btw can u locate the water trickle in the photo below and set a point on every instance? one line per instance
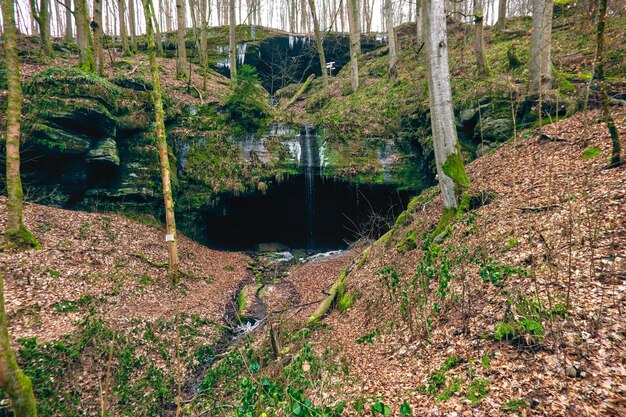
(309, 163)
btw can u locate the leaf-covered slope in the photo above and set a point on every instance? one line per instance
(100, 283)
(519, 308)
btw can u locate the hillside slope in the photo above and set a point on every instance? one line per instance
(97, 297)
(479, 323)
(517, 308)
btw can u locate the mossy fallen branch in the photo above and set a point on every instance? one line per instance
(338, 290)
(302, 89)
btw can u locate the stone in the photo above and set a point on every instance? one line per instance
(493, 130)
(105, 152)
(271, 247)
(482, 149)
(468, 117)
(56, 142)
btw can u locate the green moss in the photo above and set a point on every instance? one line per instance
(345, 301)
(241, 303)
(477, 390)
(20, 239)
(363, 257)
(455, 169)
(444, 221)
(408, 243)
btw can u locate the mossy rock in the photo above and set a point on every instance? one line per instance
(408, 243)
(70, 82)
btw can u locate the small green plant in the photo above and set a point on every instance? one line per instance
(66, 306)
(380, 409)
(591, 152)
(477, 390)
(229, 268)
(405, 410)
(369, 338)
(513, 406)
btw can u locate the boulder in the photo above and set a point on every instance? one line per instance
(493, 130)
(105, 152)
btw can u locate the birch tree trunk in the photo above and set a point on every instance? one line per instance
(96, 26)
(501, 15)
(69, 35)
(540, 43)
(41, 15)
(479, 46)
(232, 43)
(319, 42)
(355, 42)
(168, 199)
(83, 37)
(616, 153)
(16, 234)
(450, 169)
(204, 27)
(391, 35)
(123, 33)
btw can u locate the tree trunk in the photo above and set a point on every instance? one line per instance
(132, 25)
(355, 42)
(16, 234)
(319, 42)
(481, 59)
(12, 379)
(204, 27)
(232, 43)
(96, 26)
(616, 153)
(170, 221)
(448, 160)
(501, 15)
(123, 33)
(83, 36)
(42, 18)
(419, 22)
(540, 42)
(391, 35)
(69, 35)
(181, 60)
(157, 36)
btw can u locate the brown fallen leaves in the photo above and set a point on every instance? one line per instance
(573, 239)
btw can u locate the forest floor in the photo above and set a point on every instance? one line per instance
(108, 268)
(546, 248)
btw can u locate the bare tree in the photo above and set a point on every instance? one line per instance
(86, 60)
(123, 33)
(161, 141)
(181, 60)
(319, 42)
(501, 15)
(132, 25)
(616, 154)
(448, 160)
(391, 35)
(479, 46)
(540, 43)
(232, 42)
(69, 35)
(96, 26)
(16, 234)
(355, 42)
(41, 15)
